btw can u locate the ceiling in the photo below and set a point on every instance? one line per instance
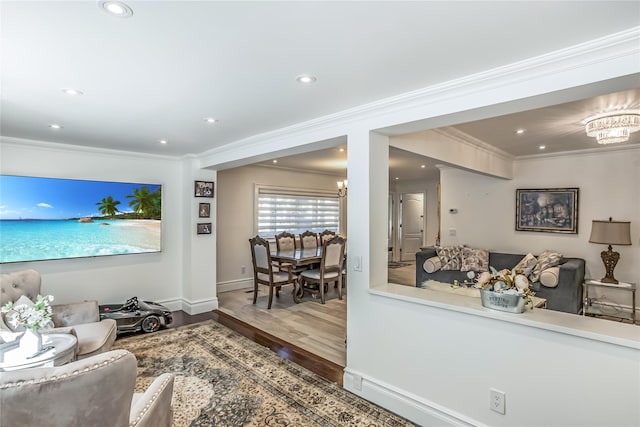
(158, 74)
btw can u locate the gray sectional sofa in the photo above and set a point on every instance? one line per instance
(566, 296)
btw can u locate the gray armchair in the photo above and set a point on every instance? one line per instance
(97, 391)
(81, 319)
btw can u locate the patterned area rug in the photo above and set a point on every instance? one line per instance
(224, 379)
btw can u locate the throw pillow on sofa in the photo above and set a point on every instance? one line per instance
(474, 259)
(432, 264)
(546, 259)
(526, 264)
(450, 257)
(550, 277)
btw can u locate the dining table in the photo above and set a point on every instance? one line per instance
(298, 257)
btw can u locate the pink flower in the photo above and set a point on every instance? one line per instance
(484, 278)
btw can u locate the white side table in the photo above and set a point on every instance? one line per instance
(592, 306)
(63, 351)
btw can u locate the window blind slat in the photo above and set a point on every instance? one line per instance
(295, 210)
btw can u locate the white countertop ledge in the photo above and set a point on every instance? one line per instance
(622, 334)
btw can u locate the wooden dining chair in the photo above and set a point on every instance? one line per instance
(325, 236)
(308, 240)
(263, 270)
(330, 271)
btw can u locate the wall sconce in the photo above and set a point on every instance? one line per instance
(610, 233)
(342, 188)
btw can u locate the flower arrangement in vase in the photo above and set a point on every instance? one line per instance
(505, 282)
(31, 318)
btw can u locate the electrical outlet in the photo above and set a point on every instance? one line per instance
(496, 400)
(243, 269)
(452, 232)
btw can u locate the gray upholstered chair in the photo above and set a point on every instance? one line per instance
(96, 391)
(81, 318)
(330, 270)
(263, 270)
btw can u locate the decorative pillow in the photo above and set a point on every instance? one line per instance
(549, 277)
(475, 259)
(450, 257)
(526, 264)
(546, 259)
(432, 265)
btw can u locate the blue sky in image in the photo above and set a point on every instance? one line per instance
(51, 198)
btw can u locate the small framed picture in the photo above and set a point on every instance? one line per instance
(204, 211)
(204, 228)
(204, 189)
(551, 210)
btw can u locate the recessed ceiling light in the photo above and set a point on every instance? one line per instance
(55, 126)
(72, 92)
(520, 131)
(275, 161)
(306, 79)
(341, 150)
(115, 8)
(163, 141)
(397, 178)
(542, 147)
(210, 120)
(423, 166)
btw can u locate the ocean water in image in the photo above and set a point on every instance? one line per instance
(30, 240)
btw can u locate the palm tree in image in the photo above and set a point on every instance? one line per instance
(107, 206)
(142, 202)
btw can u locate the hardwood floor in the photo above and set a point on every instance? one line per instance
(310, 334)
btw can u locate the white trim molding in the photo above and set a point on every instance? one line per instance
(197, 307)
(234, 285)
(410, 406)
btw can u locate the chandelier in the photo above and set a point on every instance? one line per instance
(342, 188)
(613, 127)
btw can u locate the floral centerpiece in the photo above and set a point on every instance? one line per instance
(507, 282)
(33, 317)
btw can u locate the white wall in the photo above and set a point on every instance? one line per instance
(236, 189)
(608, 183)
(160, 276)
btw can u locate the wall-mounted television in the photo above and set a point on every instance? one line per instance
(54, 218)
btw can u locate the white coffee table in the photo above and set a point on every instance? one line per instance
(470, 291)
(63, 351)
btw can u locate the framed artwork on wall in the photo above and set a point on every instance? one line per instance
(552, 210)
(204, 228)
(204, 210)
(204, 189)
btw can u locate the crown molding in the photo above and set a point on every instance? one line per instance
(577, 153)
(466, 139)
(56, 146)
(383, 113)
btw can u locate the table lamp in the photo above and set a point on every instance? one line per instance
(610, 233)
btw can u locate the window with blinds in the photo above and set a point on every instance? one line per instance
(295, 210)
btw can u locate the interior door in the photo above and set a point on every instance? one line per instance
(411, 225)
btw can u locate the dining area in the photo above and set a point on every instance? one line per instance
(312, 263)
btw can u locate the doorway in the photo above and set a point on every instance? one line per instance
(411, 227)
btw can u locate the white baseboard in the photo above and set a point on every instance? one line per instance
(192, 307)
(174, 304)
(233, 285)
(407, 405)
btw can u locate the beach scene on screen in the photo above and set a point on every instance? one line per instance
(53, 218)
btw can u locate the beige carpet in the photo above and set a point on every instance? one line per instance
(224, 379)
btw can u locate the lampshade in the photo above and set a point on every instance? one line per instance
(610, 232)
